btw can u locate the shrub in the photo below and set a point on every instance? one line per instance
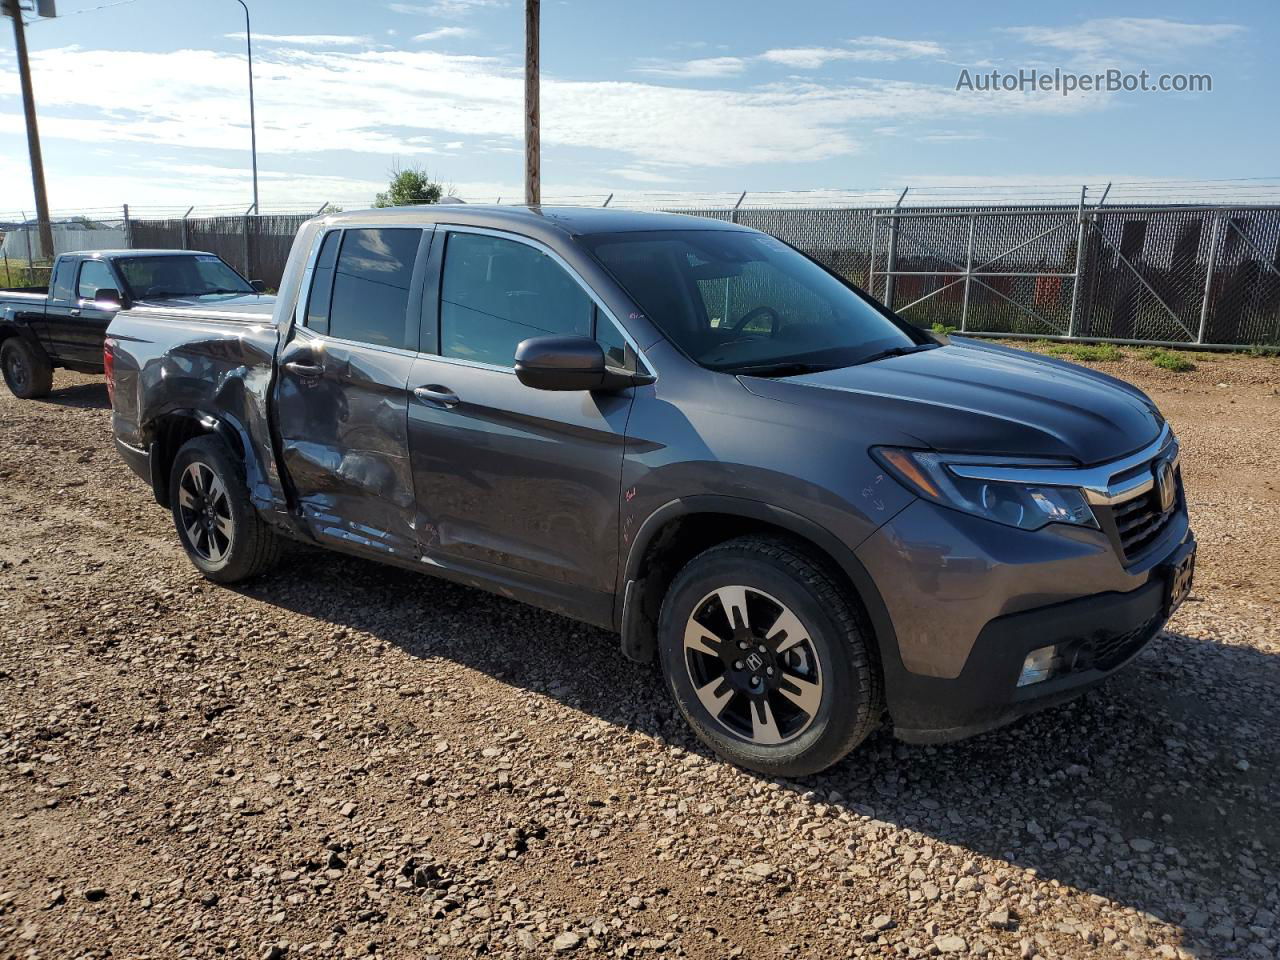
(1168, 360)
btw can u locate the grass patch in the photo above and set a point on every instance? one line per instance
(17, 275)
(1082, 352)
(943, 329)
(1168, 359)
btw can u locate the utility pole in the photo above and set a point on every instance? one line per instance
(532, 109)
(33, 133)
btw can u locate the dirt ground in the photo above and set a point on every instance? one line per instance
(344, 759)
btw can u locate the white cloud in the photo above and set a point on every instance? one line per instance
(425, 102)
(443, 33)
(446, 8)
(902, 48)
(642, 175)
(304, 40)
(1124, 39)
(867, 49)
(696, 69)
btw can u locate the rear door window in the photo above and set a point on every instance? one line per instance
(322, 283)
(371, 285)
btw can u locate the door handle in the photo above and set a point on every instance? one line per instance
(308, 371)
(74, 311)
(434, 393)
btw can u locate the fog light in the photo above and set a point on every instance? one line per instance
(1038, 666)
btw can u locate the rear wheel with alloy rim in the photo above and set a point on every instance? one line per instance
(219, 528)
(768, 658)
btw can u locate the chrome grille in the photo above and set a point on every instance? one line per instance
(1140, 521)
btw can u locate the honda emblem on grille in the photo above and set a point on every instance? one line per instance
(1166, 485)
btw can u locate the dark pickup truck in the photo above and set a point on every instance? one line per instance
(810, 512)
(65, 323)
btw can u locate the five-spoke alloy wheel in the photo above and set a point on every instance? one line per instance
(767, 654)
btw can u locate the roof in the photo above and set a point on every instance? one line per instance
(574, 221)
(110, 254)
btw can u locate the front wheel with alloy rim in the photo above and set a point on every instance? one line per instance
(27, 373)
(219, 528)
(768, 657)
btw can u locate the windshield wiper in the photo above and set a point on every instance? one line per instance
(780, 369)
(897, 352)
(209, 293)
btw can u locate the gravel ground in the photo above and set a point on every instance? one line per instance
(349, 760)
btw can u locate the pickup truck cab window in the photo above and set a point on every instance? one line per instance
(495, 292)
(63, 280)
(371, 285)
(95, 275)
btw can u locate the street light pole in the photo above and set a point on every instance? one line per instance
(253, 124)
(33, 133)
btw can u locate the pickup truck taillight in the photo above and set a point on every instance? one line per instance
(109, 367)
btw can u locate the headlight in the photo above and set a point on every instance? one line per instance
(1027, 506)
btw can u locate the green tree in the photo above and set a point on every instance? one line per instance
(408, 187)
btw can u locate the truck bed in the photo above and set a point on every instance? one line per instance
(205, 358)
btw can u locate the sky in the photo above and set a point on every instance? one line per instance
(145, 101)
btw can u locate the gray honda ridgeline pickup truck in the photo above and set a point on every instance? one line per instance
(810, 512)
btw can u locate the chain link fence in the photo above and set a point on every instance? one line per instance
(1162, 274)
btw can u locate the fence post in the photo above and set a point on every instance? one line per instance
(968, 272)
(128, 228)
(26, 233)
(186, 240)
(1208, 276)
(891, 260)
(1075, 283)
(871, 265)
(733, 215)
(248, 270)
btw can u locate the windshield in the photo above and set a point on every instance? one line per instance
(193, 275)
(746, 302)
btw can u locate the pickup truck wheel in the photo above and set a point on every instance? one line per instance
(27, 374)
(219, 528)
(768, 659)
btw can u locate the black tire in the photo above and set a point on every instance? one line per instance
(837, 654)
(231, 542)
(27, 372)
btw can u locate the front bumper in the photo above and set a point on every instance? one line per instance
(965, 600)
(1096, 636)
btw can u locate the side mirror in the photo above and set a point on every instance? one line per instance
(259, 285)
(108, 298)
(560, 363)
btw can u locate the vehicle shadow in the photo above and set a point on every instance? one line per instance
(87, 396)
(1156, 791)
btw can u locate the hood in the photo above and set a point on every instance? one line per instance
(974, 397)
(234, 302)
